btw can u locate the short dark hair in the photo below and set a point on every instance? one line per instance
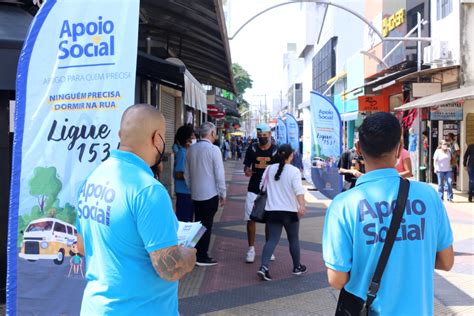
(380, 133)
(183, 134)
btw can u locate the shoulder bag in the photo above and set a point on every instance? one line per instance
(349, 304)
(258, 210)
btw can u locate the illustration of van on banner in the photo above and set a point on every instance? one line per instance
(48, 238)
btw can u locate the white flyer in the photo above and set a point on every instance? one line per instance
(190, 233)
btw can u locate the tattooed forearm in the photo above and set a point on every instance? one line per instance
(173, 262)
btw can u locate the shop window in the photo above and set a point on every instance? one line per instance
(412, 19)
(445, 7)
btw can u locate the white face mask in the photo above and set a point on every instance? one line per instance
(193, 141)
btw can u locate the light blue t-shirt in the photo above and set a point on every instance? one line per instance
(356, 226)
(412, 141)
(179, 165)
(124, 213)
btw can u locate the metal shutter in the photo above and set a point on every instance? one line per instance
(168, 108)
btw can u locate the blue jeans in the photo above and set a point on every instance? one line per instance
(184, 207)
(470, 172)
(445, 178)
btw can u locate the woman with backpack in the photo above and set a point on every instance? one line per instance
(284, 207)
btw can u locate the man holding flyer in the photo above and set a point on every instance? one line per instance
(128, 228)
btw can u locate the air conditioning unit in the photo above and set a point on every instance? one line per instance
(427, 58)
(441, 53)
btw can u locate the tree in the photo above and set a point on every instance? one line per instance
(241, 78)
(46, 186)
(242, 82)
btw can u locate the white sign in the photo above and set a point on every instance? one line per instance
(425, 89)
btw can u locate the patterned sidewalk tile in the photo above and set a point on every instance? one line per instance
(233, 288)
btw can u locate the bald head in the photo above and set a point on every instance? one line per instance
(138, 123)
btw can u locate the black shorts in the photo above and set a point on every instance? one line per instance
(281, 217)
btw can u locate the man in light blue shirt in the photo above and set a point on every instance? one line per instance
(357, 222)
(127, 227)
(205, 177)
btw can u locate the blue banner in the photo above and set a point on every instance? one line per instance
(327, 145)
(281, 132)
(76, 76)
(293, 132)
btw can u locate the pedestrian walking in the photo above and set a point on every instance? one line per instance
(403, 164)
(284, 207)
(257, 158)
(233, 148)
(239, 148)
(204, 175)
(184, 203)
(442, 165)
(455, 150)
(468, 162)
(127, 226)
(356, 225)
(350, 166)
(226, 149)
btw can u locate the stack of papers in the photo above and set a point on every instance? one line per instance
(190, 233)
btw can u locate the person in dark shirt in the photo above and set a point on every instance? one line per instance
(468, 162)
(351, 166)
(257, 158)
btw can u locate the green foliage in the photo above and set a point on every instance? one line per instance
(242, 82)
(46, 186)
(241, 78)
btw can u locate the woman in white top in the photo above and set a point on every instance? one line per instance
(285, 205)
(442, 167)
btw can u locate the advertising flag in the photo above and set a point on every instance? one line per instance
(293, 132)
(327, 145)
(281, 132)
(76, 76)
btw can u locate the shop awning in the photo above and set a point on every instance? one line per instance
(193, 31)
(425, 73)
(173, 73)
(461, 94)
(194, 93)
(161, 71)
(350, 116)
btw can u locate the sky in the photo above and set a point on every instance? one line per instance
(260, 46)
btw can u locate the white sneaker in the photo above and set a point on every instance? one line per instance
(250, 256)
(272, 258)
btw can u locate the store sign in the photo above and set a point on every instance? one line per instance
(373, 103)
(392, 22)
(447, 112)
(424, 89)
(76, 77)
(326, 146)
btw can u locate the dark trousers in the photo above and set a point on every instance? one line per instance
(470, 172)
(184, 207)
(204, 212)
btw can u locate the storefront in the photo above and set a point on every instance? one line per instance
(447, 112)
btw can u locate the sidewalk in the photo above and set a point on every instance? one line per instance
(233, 288)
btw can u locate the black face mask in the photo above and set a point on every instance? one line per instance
(161, 153)
(263, 140)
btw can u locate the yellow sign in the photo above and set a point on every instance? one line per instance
(392, 22)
